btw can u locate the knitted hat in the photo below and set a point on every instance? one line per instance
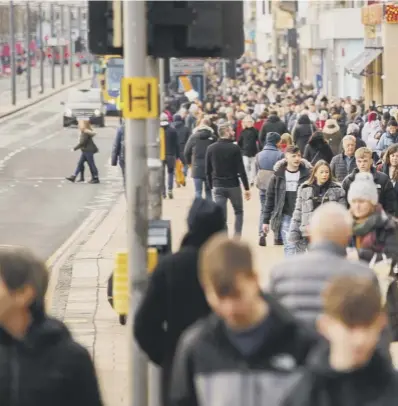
(272, 138)
(363, 188)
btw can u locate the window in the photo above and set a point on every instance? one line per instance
(266, 4)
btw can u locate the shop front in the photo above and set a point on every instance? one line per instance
(378, 61)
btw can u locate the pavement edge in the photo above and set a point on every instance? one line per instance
(68, 248)
(43, 98)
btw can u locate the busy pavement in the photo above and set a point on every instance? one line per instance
(42, 208)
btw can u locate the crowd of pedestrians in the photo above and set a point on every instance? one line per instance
(325, 174)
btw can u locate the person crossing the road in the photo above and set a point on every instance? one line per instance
(88, 149)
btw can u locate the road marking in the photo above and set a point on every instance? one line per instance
(56, 260)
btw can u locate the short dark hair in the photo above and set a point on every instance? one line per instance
(273, 113)
(392, 123)
(221, 260)
(19, 267)
(354, 300)
(292, 149)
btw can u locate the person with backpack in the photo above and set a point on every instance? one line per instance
(264, 164)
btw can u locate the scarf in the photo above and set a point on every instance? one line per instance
(366, 232)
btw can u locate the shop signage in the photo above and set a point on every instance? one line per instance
(372, 15)
(373, 36)
(391, 13)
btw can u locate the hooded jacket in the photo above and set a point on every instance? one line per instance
(302, 132)
(375, 383)
(174, 295)
(86, 142)
(276, 193)
(46, 368)
(273, 125)
(317, 149)
(171, 140)
(196, 148)
(210, 371)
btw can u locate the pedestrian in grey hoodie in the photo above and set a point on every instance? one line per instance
(264, 163)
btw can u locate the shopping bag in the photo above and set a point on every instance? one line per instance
(180, 177)
(382, 269)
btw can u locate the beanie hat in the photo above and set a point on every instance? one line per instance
(372, 116)
(273, 138)
(363, 188)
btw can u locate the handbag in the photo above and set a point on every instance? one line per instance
(382, 270)
(263, 177)
(180, 177)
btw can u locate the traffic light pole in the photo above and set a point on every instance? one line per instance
(134, 27)
(155, 209)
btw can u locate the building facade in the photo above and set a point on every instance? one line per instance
(379, 58)
(331, 35)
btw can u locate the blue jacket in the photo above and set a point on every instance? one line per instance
(268, 157)
(118, 150)
(386, 140)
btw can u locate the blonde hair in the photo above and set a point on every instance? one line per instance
(362, 152)
(287, 139)
(85, 125)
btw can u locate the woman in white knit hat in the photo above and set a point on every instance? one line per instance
(374, 231)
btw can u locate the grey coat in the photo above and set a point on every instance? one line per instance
(339, 167)
(298, 281)
(305, 206)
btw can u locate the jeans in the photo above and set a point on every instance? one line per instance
(234, 194)
(169, 164)
(263, 194)
(289, 248)
(89, 158)
(199, 184)
(250, 167)
(80, 166)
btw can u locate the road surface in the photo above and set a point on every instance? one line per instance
(39, 208)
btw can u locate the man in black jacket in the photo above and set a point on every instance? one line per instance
(273, 125)
(174, 297)
(247, 351)
(195, 153)
(172, 153)
(385, 188)
(349, 369)
(40, 362)
(224, 167)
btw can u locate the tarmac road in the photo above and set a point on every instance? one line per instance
(38, 207)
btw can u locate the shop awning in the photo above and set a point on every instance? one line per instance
(357, 65)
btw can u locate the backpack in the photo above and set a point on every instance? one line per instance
(263, 176)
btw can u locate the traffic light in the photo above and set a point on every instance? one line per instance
(108, 15)
(212, 29)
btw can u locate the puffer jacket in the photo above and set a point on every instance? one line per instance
(196, 148)
(339, 167)
(385, 141)
(86, 142)
(305, 207)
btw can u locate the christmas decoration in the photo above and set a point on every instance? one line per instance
(391, 13)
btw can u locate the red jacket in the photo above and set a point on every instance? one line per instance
(258, 124)
(239, 129)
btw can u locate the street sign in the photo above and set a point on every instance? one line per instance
(140, 98)
(187, 66)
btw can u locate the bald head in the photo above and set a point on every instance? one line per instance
(331, 222)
